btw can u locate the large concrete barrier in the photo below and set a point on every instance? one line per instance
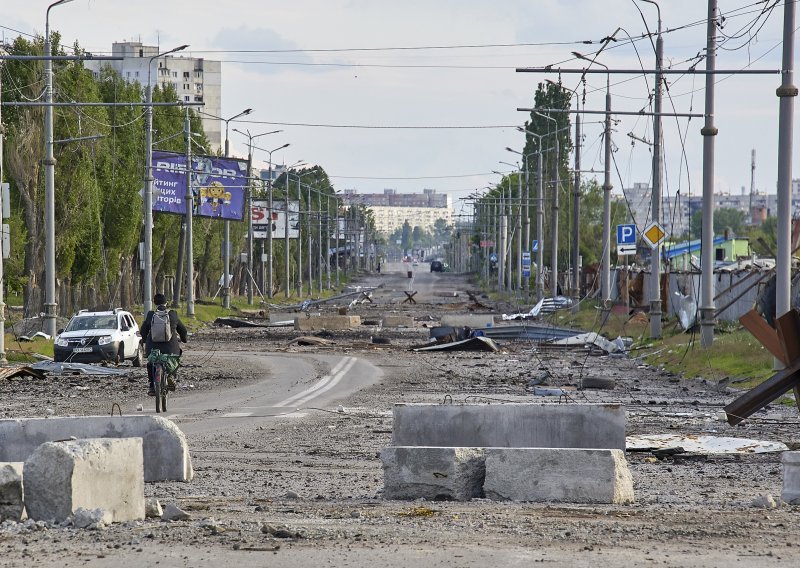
(791, 477)
(166, 454)
(11, 491)
(558, 475)
(510, 425)
(318, 323)
(62, 477)
(432, 473)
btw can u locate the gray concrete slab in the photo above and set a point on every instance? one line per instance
(166, 453)
(509, 425)
(791, 477)
(330, 322)
(432, 473)
(11, 491)
(565, 475)
(104, 473)
(475, 321)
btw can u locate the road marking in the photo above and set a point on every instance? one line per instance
(325, 384)
(237, 414)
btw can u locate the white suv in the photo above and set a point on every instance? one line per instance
(92, 337)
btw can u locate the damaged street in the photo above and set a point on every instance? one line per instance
(285, 438)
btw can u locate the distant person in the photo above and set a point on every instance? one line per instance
(163, 330)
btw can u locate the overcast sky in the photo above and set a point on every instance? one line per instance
(310, 67)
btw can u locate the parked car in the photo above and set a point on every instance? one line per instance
(92, 337)
(437, 266)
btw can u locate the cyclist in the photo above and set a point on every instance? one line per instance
(177, 334)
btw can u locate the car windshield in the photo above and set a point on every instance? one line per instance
(92, 322)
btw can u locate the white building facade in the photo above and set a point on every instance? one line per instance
(196, 80)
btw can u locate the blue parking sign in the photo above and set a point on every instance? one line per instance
(626, 234)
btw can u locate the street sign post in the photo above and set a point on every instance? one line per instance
(626, 239)
(654, 234)
(534, 246)
(526, 264)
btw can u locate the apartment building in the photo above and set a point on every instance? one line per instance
(196, 80)
(392, 209)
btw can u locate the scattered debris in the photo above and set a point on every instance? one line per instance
(702, 444)
(308, 340)
(530, 332)
(764, 502)
(592, 339)
(476, 343)
(25, 371)
(34, 336)
(236, 323)
(53, 368)
(174, 513)
(544, 306)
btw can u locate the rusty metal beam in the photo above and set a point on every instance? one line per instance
(758, 397)
(766, 335)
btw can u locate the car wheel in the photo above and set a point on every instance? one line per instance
(138, 359)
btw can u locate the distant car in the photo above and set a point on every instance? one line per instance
(92, 337)
(437, 266)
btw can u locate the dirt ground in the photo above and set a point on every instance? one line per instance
(306, 491)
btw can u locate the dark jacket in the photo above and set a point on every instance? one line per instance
(173, 346)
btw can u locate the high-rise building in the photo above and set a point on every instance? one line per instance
(196, 80)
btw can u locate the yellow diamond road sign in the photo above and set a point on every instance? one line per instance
(654, 234)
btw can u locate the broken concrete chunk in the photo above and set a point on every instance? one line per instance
(565, 475)
(152, 508)
(11, 491)
(61, 477)
(432, 473)
(91, 518)
(174, 513)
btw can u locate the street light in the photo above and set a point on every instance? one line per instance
(605, 275)
(147, 290)
(269, 233)
(226, 251)
(554, 227)
(49, 183)
(250, 138)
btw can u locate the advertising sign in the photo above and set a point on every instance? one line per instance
(261, 217)
(219, 185)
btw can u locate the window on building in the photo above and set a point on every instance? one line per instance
(198, 86)
(174, 73)
(198, 99)
(141, 52)
(185, 74)
(137, 74)
(186, 98)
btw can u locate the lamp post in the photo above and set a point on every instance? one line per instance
(269, 233)
(554, 223)
(299, 235)
(250, 138)
(605, 275)
(49, 183)
(517, 227)
(147, 288)
(226, 250)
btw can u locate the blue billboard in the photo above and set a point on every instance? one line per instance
(219, 185)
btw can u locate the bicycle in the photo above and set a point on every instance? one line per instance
(164, 367)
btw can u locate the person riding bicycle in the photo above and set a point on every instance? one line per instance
(162, 323)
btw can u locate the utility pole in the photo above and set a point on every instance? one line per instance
(189, 200)
(655, 258)
(786, 93)
(49, 187)
(576, 214)
(540, 227)
(3, 359)
(752, 183)
(605, 282)
(287, 291)
(709, 131)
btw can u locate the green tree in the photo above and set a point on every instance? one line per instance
(724, 218)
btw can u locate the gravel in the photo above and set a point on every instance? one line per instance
(309, 491)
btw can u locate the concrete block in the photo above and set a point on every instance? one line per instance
(432, 473)
(791, 477)
(558, 474)
(166, 454)
(509, 425)
(397, 321)
(11, 491)
(62, 477)
(475, 321)
(276, 317)
(329, 322)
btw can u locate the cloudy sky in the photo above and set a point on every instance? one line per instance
(424, 93)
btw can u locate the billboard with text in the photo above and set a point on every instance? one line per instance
(219, 185)
(261, 216)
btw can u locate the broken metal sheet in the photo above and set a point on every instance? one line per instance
(478, 343)
(53, 368)
(311, 340)
(545, 306)
(696, 444)
(592, 338)
(530, 332)
(235, 322)
(34, 336)
(25, 371)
